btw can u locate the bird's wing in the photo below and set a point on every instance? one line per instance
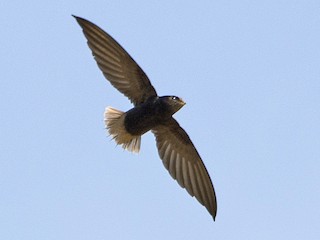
(184, 164)
(116, 64)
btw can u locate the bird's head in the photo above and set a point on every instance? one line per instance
(173, 103)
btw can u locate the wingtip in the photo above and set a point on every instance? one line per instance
(214, 214)
(79, 19)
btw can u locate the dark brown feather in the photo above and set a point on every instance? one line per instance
(116, 64)
(184, 163)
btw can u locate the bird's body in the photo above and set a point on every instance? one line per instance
(128, 127)
(150, 112)
(148, 115)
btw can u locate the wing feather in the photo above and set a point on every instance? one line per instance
(116, 64)
(184, 163)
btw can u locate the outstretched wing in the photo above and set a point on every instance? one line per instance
(116, 64)
(184, 164)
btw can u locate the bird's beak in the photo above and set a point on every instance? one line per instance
(182, 102)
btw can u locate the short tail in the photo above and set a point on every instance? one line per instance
(114, 122)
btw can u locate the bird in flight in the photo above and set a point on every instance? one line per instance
(150, 112)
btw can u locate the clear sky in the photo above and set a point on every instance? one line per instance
(250, 74)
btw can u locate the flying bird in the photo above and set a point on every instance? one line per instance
(150, 112)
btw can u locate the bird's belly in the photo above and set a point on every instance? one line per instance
(140, 121)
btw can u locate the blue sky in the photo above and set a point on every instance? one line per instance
(249, 72)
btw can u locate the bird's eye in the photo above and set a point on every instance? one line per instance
(174, 98)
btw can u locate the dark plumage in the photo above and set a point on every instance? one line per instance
(150, 112)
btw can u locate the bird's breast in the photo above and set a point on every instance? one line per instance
(143, 118)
